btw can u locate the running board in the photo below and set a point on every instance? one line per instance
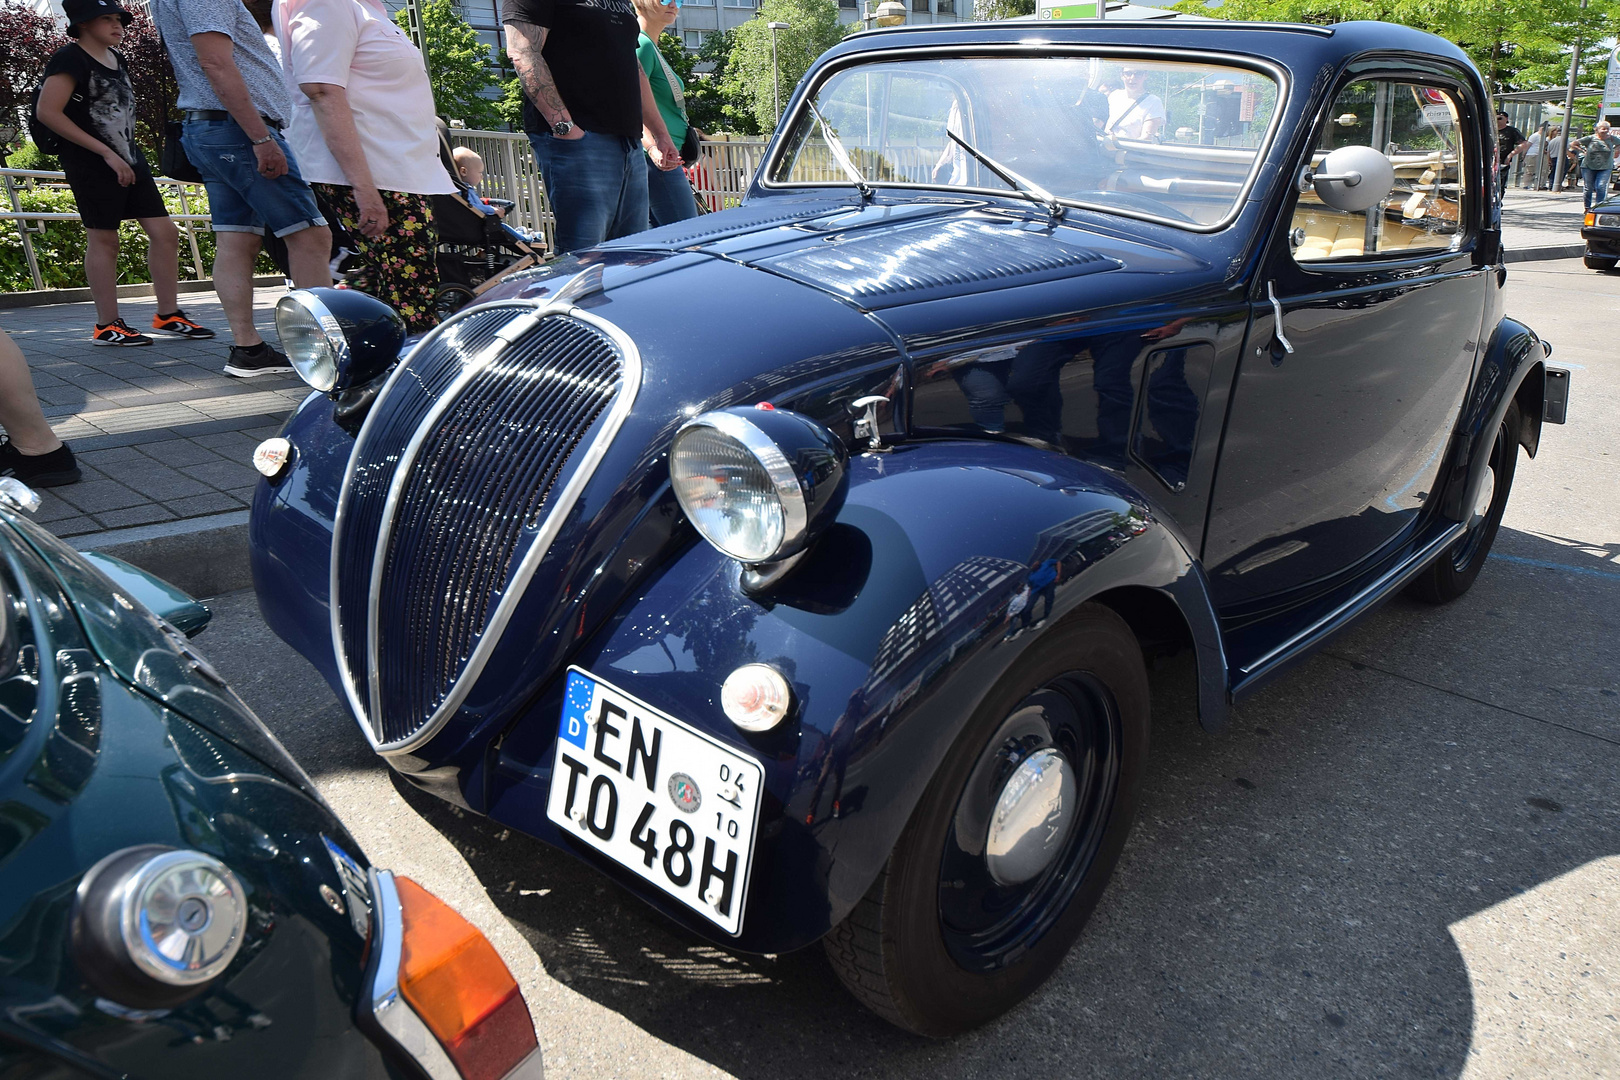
(1272, 663)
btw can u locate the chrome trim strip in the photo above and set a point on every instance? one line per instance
(506, 336)
(629, 388)
(1335, 620)
(382, 998)
(1042, 47)
(344, 674)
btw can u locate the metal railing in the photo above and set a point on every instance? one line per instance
(17, 181)
(720, 179)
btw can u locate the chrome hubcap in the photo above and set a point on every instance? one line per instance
(1032, 818)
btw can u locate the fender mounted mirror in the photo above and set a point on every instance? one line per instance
(1353, 178)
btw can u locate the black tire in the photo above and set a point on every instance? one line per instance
(450, 299)
(919, 949)
(1451, 575)
(1599, 262)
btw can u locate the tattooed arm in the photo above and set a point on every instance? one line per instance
(523, 44)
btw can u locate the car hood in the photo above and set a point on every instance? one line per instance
(787, 301)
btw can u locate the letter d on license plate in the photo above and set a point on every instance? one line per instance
(656, 795)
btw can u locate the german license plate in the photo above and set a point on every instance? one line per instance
(657, 796)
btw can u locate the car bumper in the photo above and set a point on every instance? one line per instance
(1602, 242)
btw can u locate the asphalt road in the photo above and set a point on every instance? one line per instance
(1402, 859)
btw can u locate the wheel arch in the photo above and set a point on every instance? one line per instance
(1513, 369)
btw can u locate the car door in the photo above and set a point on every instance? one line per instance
(1340, 417)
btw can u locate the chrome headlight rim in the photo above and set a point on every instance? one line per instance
(135, 923)
(785, 485)
(320, 372)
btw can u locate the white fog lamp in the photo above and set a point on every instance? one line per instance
(755, 697)
(759, 484)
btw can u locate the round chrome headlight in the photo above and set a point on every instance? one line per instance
(153, 926)
(759, 484)
(312, 338)
(338, 338)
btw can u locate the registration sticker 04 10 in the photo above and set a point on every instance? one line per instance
(665, 800)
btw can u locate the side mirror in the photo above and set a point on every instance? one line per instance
(1353, 178)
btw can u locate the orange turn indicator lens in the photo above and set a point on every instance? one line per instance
(452, 976)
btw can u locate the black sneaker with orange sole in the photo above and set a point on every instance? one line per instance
(181, 324)
(118, 332)
(39, 470)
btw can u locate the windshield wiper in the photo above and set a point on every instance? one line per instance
(839, 155)
(1021, 184)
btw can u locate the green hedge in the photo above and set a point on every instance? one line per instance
(59, 250)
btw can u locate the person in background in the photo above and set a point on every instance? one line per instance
(1597, 163)
(1133, 113)
(89, 101)
(587, 106)
(470, 169)
(1552, 150)
(669, 193)
(1533, 157)
(30, 450)
(366, 136)
(1510, 143)
(235, 104)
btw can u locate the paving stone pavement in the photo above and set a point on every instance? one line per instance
(161, 432)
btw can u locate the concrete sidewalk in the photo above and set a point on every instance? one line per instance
(1541, 225)
(165, 438)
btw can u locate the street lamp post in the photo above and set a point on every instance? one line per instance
(776, 71)
(1569, 114)
(888, 13)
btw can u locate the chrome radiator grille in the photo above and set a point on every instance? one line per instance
(450, 490)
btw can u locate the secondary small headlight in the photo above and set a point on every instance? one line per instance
(338, 338)
(759, 484)
(153, 926)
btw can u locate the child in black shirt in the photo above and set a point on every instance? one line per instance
(88, 99)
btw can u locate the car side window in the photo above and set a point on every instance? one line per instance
(1418, 128)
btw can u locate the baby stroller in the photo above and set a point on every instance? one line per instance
(475, 250)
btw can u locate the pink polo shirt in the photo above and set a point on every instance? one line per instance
(354, 44)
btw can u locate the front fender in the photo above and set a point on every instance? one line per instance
(891, 632)
(1514, 358)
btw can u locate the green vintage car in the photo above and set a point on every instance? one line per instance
(176, 899)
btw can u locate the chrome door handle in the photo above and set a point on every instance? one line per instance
(1277, 312)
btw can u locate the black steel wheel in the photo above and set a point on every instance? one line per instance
(1600, 262)
(1453, 573)
(1007, 854)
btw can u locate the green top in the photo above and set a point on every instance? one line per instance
(1598, 153)
(663, 94)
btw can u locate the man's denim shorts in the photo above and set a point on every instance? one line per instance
(240, 198)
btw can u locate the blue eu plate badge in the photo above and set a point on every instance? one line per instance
(659, 796)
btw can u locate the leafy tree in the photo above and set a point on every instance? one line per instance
(155, 89)
(814, 28)
(1516, 44)
(712, 103)
(990, 10)
(27, 40)
(459, 65)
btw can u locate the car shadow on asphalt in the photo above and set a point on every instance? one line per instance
(1285, 899)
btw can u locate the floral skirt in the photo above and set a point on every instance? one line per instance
(399, 267)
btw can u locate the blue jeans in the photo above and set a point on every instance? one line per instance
(669, 195)
(1597, 186)
(597, 185)
(240, 198)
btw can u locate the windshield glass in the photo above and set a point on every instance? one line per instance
(1171, 140)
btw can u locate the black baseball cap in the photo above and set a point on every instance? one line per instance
(82, 11)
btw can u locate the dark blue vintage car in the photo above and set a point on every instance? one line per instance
(796, 565)
(1601, 231)
(176, 899)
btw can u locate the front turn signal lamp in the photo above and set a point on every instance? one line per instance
(453, 979)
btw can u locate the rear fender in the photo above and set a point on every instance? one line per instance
(891, 632)
(1513, 369)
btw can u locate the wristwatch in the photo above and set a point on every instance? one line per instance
(562, 127)
(260, 142)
